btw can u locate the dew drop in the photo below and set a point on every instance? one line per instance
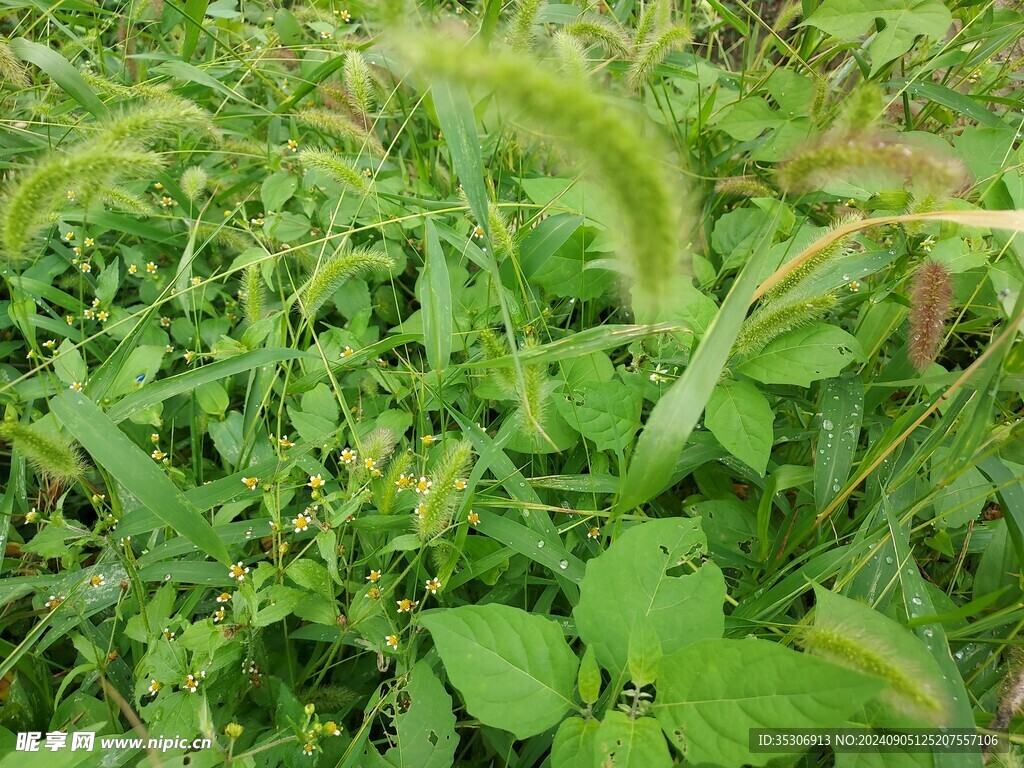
(563, 564)
(526, 513)
(167, 577)
(827, 425)
(540, 545)
(888, 560)
(915, 600)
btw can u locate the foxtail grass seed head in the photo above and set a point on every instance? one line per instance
(359, 84)
(743, 186)
(814, 168)
(146, 123)
(11, 69)
(931, 297)
(193, 182)
(909, 690)
(336, 168)
(600, 31)
(571, 56)
(771, 320)
(49, 456)
(338, 270)
(121, 199)
(501, 234)
(654, 51)
(41, 191)
(253, 294)
(520, 31)
(804, 274)
(629, 165)
(394, 481)
(334, 123)
(434, 512)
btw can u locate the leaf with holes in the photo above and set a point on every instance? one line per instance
(630, 588)
(425, 734)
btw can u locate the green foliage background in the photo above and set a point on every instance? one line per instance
(533, 384)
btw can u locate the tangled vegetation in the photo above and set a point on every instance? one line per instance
(524, 384)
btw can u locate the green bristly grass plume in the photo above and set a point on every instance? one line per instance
(333, 123)
(520, 29)
(433, 515)
(42, 191)
(771, 320)
(652, 52)
(385, 488)
(377, 447)
(193, 182)
(908, 690)
(359, 85)
(51, 458)
(336, 167)
(253, 294)
(571, 56)
(628, 165)
(145, 123)
(743, 186)
(12, 70)
(812, 168)
(338, 270)
(596, 29)
(805, 272)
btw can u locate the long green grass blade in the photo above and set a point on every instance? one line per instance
(455, 115)
(61, 72)
(111, 449)
(676, 414)
(437, 303)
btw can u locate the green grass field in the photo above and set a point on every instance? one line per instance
(536, 384)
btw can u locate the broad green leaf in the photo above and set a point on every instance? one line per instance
(959, 501)
(627, 743)
(589, 679)
(711, 693)
(607, 413)
(61, 71)
(278, 189)
(573, 746)
(672, 420)
(853, 635)
(425, 734)
(111, 449)
(436, 298)
(644, 655)
(818, 351)
(842, 411)
(312, 576)
(903, 21)
(740, 418)
(514, 669)
(212, 398)
(628, 588)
